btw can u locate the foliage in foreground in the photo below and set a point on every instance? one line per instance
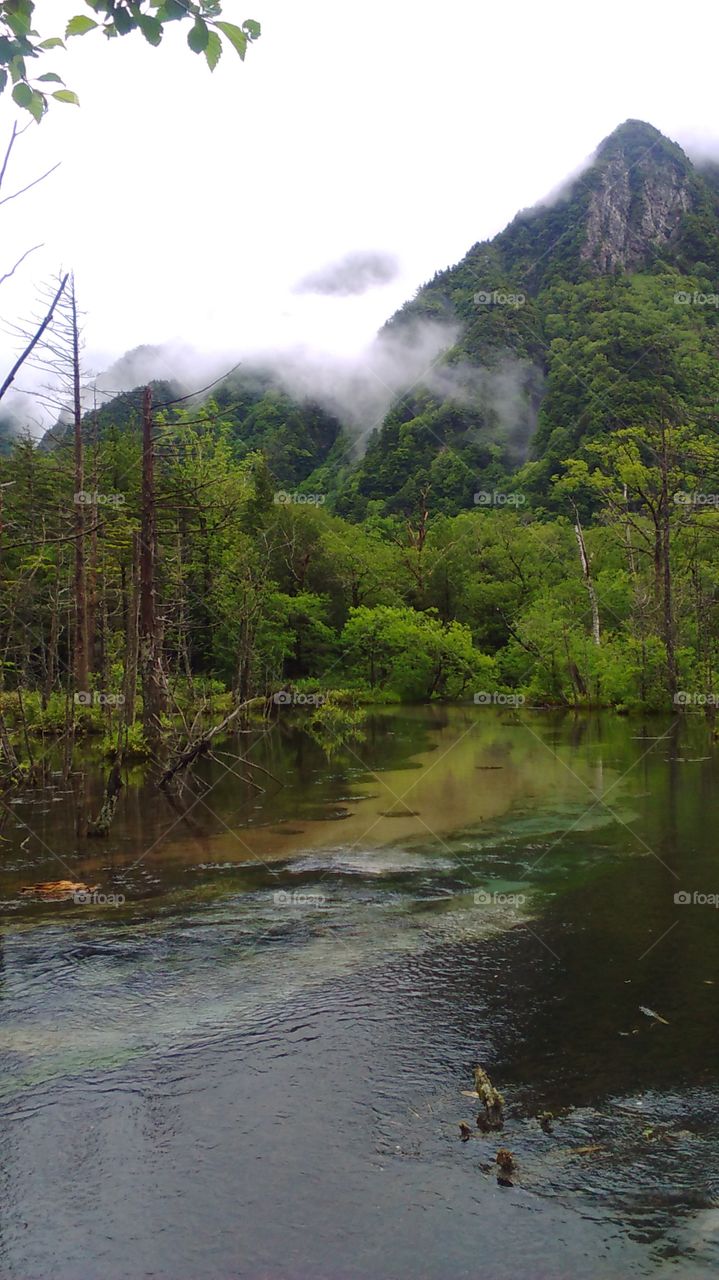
(21, 45)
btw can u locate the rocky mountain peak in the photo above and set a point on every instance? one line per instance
(640, 186)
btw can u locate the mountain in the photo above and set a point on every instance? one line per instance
(296, 436)
(123, 412)
(593, 310)
(574, 306)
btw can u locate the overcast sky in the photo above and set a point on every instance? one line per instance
(207, 208)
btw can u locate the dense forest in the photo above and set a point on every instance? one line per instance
(539, 522)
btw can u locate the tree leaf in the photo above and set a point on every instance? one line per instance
(50, 75)
(54, 42)
(171, 10)
(22, 94)
(213, 52)
(30, 99)
(17, 20)
(79, 25)
(17, 69)
(253, 29)
(66, 95)
(235, 35)
(38, 106)
(199, 36)
(124, 22)
(150, 28)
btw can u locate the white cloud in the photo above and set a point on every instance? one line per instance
(190, 204)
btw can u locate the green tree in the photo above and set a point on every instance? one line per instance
(413, 654)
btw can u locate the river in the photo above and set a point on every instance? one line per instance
(246, 1057)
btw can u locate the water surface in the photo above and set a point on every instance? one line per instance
(254, 1066)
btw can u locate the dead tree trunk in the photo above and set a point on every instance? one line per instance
(92, 626)
(130, 681)
(588, 580)
(53, 641)
(100, 826)
(153, 686)
(666, 567)
(7, 751)
(80, 666)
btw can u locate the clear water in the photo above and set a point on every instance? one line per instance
(254, 1066)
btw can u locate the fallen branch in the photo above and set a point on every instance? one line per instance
(249, 782)
(201, 745)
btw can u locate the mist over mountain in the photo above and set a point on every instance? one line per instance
(509, 358)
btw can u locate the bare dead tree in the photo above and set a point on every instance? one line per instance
(587, 572)
(81, 646)
(150, 660)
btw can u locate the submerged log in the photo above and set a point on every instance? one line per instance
(58, 890)
(100, 826)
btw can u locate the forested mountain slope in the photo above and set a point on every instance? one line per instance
(598, 310)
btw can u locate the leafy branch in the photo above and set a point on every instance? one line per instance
(20, 43)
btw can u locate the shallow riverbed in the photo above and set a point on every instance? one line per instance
(253, 1067)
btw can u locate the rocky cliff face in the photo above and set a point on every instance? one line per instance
(640, 188)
